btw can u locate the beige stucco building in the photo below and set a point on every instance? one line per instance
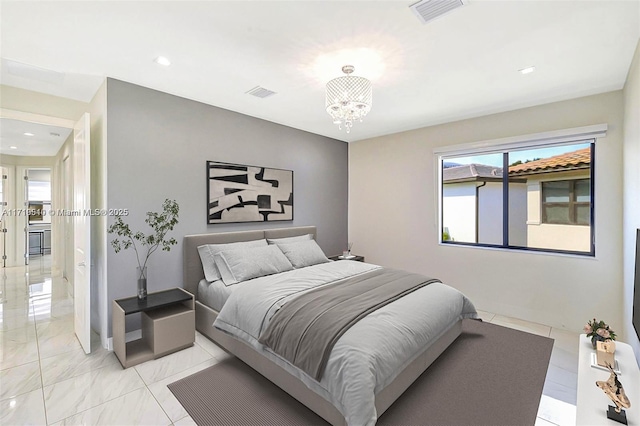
(558, 201)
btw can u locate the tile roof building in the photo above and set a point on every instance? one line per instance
(575, 160)
(471, 172)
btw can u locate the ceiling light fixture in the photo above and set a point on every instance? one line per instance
(527, 70)
(348, 98)
(161, 60)
(28, 134)
(13, 147)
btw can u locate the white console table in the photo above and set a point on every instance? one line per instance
(592, 401)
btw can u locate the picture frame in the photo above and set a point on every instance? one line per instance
(238, 193)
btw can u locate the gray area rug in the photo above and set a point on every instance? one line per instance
(491, 375)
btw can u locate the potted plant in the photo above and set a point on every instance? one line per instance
(599, 331)
(161, 223)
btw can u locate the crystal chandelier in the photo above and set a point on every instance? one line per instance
(348, 98)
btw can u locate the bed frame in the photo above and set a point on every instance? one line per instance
(205, 316)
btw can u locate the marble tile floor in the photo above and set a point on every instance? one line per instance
(46, 379)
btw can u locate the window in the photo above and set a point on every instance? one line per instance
(566, 202)
(527, 196)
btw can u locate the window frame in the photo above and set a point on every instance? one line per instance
(587, 134)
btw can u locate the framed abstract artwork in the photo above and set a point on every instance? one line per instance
(242, 193)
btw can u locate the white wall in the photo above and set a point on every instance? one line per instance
(403, 232)
(39, 103)
(631, 147)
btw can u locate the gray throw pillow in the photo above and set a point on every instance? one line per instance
(247, 263)
(208, 251)
(304, 253)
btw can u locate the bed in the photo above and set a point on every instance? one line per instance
(350, 391)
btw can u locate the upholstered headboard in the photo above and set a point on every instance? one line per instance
(192, 267)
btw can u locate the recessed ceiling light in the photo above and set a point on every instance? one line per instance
(13, 147)
(161, 60)
(527, 70)
(28, 134)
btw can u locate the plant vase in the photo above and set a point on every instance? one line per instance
(595, 339)
(142, 283)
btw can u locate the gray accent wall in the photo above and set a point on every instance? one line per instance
(157, 148)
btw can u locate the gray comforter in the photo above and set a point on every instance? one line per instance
(370, 354)
(305, 329)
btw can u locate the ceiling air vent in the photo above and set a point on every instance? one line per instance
(261, 92)
(428, 10)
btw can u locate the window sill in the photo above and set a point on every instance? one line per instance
(521, 251)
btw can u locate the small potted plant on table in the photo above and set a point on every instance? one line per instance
(599, 331)
(161, 223)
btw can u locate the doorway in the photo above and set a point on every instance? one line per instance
(40, 155)
(38, 218)
(37, 308)
(28, 155)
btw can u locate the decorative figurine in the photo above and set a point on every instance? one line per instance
(614, 390)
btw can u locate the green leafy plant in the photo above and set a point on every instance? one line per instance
(161, 223)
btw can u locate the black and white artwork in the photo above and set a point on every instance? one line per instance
(240, 193)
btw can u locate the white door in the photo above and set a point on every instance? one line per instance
(82, 233)
(67, 221)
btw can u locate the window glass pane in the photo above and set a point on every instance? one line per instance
(556, 192)
(518, 211)
(549, 198)
(472, 199)
(557, 214)
(542, 213)
(583, 214)
(583, 191)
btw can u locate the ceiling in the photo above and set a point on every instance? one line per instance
(30, 139)
(461, 65)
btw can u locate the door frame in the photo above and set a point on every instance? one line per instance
(81, 163)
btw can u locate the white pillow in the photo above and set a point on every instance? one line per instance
(303, 253)
(208, 251)
(289, 240)
(244, 264)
